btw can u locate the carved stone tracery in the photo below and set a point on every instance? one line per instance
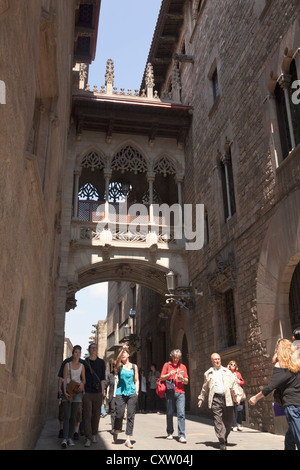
(129, 159)
(165, 166)
(93, 161)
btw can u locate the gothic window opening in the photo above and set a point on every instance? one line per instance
(227, 184)
(128, 180)
(295, 111)
(88, 192)
(119, 191)
(215, 84)
(91, 187)
(165, 189)
(282, 118)
(294, 299)
(88, 202)
(206, 227)
(288, 113)
(227, 332)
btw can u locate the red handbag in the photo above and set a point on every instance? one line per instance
(161, 388)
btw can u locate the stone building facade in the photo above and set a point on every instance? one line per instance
(237, 71)
(39, 42)
(220, 128)
(242, 160)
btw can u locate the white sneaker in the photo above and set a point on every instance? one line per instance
(240, 428)
(128, 444)
(87, 443)
(183, 440)
(64, 444)
(94, 439)
(170, 437)
(70, 443)
(234, 429)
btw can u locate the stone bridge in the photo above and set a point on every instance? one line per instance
(125, 160)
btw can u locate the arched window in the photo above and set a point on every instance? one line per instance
(88, 202)
(91, 186)
(288, 113)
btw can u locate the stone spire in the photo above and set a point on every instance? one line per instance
(149, 80)
(109, 76)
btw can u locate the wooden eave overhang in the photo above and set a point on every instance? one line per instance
(86, 30)
(131, 116)
(165, 39)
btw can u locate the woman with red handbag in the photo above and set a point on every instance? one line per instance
(175, 375)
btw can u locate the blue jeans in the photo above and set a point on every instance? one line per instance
(292, 414)
(237, 415)
(175, 399)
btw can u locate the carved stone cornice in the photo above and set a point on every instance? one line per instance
(71, 302)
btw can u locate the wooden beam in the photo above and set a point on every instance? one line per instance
(168, 39)
(175, 16)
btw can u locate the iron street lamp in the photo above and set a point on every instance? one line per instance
(182, 296)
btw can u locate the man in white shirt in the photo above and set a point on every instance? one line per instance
(218, 382)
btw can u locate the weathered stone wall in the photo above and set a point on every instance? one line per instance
(36, 43)
(245, 42)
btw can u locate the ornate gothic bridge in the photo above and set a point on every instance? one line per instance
(125, 170)
(123, 207)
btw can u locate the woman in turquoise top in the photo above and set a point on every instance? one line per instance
(126, 394)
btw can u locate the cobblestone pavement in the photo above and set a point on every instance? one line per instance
(150, 435)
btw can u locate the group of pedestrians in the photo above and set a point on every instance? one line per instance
(81, 388)
(222, 387)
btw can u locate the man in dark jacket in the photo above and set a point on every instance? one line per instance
(94, 394)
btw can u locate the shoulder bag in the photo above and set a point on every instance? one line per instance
(72, 388)
(241, 394)
(95, 385)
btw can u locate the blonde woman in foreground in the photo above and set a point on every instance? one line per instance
(286, 379)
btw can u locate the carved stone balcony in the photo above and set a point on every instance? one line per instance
(95, 226)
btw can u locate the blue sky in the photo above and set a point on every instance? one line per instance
(125, 34)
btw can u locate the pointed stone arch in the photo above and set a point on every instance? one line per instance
(280, 254)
